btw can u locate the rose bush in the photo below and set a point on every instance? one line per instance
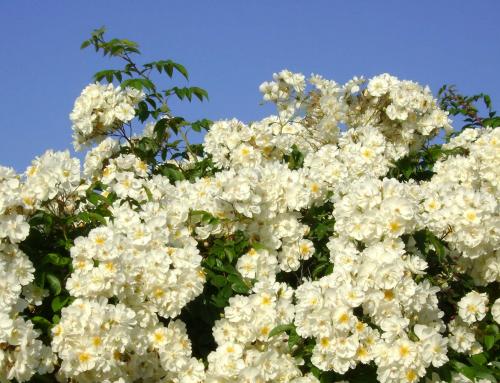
(353, 236)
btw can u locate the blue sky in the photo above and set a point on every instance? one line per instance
(229, 47)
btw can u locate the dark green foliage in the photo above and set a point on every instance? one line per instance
(295, 159)
(223, 282)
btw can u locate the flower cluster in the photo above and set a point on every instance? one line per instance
(52, 174)
(350, 264)
(97, 341)
(245, 352)
(461, 202)
(139, 261)
(22, 354)
(100, 110)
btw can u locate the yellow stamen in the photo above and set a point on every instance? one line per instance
(388, 295)
(96, 341)
(84, 357)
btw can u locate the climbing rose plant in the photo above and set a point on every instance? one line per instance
(351, 237)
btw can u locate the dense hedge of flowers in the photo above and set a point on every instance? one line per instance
(337, 240)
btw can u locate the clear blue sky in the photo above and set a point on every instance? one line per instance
(230, 47)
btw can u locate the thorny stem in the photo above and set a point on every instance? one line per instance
(124, 135)
(188, 146)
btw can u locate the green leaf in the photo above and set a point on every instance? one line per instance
(218, 281)
(138, 83)
(493, 122)
(318, 270)
(94, 198)
(180, 92)
(169, 68)
(173, 173)
(487, 101)
(59, 302)
(96, 217)
(438, 246)
(468, 371)
(295, 159)
(98, 32)
(234, 278)
(41, 218)
(148, 193)
(107, 74)
(293, 339)
(204, 124)
(157, 65)
(54, 283)
(181, 69)
(479, 359)
(160, 128)
(230, 254)
(489, 341)
(227, 292)
(230, 269)
(56, 259)
(199, 92)
(219, 301)
(41, 322)
(492, 329)
(239, 287)
(85, 44)
(142, 111)
(281, 329)
(204, 216)
(40, 279)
